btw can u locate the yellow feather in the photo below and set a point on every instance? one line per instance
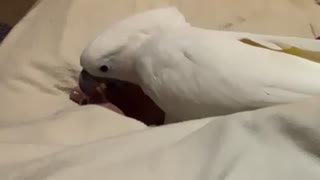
(306, 54)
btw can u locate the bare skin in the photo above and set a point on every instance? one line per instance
(128, 100)
(80, 98)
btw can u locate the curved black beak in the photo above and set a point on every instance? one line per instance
(89, 83)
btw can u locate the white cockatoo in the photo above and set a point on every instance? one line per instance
(193, 73)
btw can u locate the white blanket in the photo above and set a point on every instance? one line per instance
(43, 135)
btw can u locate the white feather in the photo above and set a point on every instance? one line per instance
(195, 73)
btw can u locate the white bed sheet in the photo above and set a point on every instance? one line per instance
(43, 135)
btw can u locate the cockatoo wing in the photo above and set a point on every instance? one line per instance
(196, 73)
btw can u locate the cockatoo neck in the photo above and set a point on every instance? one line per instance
(132, 52)
(127, 58)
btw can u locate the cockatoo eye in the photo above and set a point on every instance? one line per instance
(104, 68)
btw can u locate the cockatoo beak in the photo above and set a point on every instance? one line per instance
(89, 83)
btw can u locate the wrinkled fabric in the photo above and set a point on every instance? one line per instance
(44, 135)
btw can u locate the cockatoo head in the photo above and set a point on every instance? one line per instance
(108, 56)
